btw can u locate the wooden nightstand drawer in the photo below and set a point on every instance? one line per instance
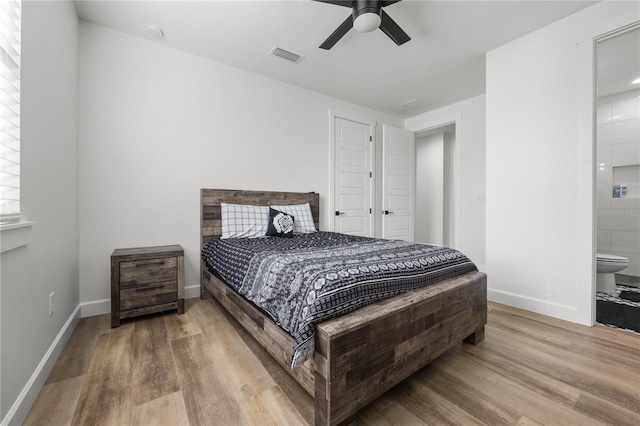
(145, 280)
(148, 295)
(147, 271)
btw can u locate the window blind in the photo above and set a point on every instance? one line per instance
(10, 106)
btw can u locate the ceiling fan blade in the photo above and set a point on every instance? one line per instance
(393, 30)
(386, 3)
(338, 34)
(345, 3)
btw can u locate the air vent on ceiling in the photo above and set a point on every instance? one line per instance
(285, 54)
(416, 104)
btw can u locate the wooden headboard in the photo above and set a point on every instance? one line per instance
(210, 199)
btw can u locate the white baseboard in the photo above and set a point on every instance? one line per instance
(95, 307)
(20, 408)
(539, 306)
(192, 291)
(103, 306)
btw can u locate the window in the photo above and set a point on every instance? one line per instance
(9, 107)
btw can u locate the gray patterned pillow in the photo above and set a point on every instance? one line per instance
(280, 224)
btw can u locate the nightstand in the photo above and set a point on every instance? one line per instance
(145, 280)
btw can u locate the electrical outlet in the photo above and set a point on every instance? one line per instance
(51, 304)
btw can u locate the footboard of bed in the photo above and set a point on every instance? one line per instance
(359, 357)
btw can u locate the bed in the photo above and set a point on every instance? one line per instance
(359, 355)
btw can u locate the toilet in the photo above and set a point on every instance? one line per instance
(606, 266)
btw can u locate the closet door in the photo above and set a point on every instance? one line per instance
(398, 183)
(352, 177)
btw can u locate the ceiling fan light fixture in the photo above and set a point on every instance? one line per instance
(366, 16)
(367, 22)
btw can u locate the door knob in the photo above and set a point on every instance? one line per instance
(339, 213)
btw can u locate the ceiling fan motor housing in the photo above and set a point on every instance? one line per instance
(364, 7)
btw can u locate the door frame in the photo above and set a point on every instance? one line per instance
(333, 114)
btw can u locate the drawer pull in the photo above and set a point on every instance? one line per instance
(150, 262)
(149, 287)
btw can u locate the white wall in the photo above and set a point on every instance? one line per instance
(49, 191)
(158, 124)
(540, 174)
(429, 216)
(468, 172)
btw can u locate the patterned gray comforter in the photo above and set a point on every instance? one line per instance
(309, 278)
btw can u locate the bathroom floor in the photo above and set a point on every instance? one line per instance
(621, 310)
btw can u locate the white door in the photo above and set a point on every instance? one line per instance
(352, 177)
(398, 183)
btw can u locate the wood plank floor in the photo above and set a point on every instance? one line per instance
(202, 368)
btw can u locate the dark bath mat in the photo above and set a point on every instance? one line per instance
(630, 295)
(618, 315)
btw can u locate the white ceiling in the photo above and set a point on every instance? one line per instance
(443, 63)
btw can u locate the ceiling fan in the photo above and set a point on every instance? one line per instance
(366, 16)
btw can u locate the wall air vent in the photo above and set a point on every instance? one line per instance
(285, 54)
(416, 104)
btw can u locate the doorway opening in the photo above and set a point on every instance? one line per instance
(617, 187)
(435, 203)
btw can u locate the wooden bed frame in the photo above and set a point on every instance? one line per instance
(361, 355)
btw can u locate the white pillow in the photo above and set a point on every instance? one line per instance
(303, 219)
(243, 221)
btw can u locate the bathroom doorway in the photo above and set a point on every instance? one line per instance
(434, 220)
(618, 179)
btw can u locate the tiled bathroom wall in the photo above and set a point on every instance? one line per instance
(618, 165)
